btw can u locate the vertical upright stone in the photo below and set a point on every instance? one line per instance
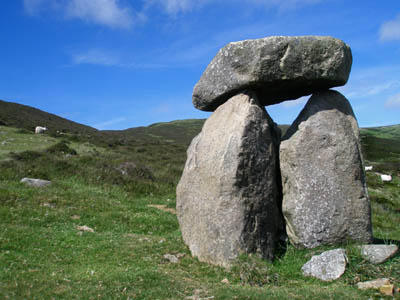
(325, 199)
(227, 198)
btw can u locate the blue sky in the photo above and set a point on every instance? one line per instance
(116, 64)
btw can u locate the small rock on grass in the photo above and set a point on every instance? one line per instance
(378, 254)
(35, 182)
(225, 280)
(327, 266)
(373, 284)
(171, 258)
(85, 228)
(387, 289)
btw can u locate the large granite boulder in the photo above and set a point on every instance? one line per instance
(278, 68)
(227, 198)
(325, 199)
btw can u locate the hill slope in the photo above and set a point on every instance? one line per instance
(26, 117)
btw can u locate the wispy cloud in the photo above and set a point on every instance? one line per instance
(96, 57)
(174, 7)
(367, 89)
(110, 13)
(104, 12)
(393, 101)
(390, 30)
(106, 124)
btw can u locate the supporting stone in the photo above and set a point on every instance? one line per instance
(325, 199)
(227, 198)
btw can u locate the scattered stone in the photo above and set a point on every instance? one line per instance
(373, 284)
(378, 254)
(163, 208)
(278, 68)
(171, 258)
(228, 196)
(325, 199)
(46, 204)
(197, 296)
(35, 182)
(387, 290)
(329, 265)
(85, 228)
(225, 280)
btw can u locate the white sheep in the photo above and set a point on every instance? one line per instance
(368, 168)
(386, 178)
(40, 129)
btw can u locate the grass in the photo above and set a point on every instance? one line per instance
(114, 186)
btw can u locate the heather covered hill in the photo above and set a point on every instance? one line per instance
(26, 117)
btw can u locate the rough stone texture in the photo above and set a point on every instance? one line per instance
(279, 68)
(325, 199)
(327, 266)
(373, 284)
(378, 254)
(227, 196)
(36, 182)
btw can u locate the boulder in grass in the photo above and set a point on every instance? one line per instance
(378, 254)
(278, 68)
(327, 266)
(36, 182)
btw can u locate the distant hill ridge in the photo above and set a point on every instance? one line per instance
(179, 131)
(27, 117)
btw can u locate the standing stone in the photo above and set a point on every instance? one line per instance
(227, 198)
(325, 199)
(327, 266)
(278, 68)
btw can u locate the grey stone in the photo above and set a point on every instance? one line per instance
(171, 258)
(373, 284)
(36, 182)
(325, 200)
(378, 254)
(278, 68)
(227, 198)
(327, 266)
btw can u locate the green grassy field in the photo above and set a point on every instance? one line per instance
(122, 186)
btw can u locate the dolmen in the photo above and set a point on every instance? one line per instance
(244, 187)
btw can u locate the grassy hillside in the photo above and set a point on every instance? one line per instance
(381, 148)
(121, 185)
(26, 117)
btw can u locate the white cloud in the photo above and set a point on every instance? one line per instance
(103, 12)
(367, 88)
(393, 101)
(390, 30)
(285, 5)
(33, 6)
(109, 13)
(173, 7)
(96, 57)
